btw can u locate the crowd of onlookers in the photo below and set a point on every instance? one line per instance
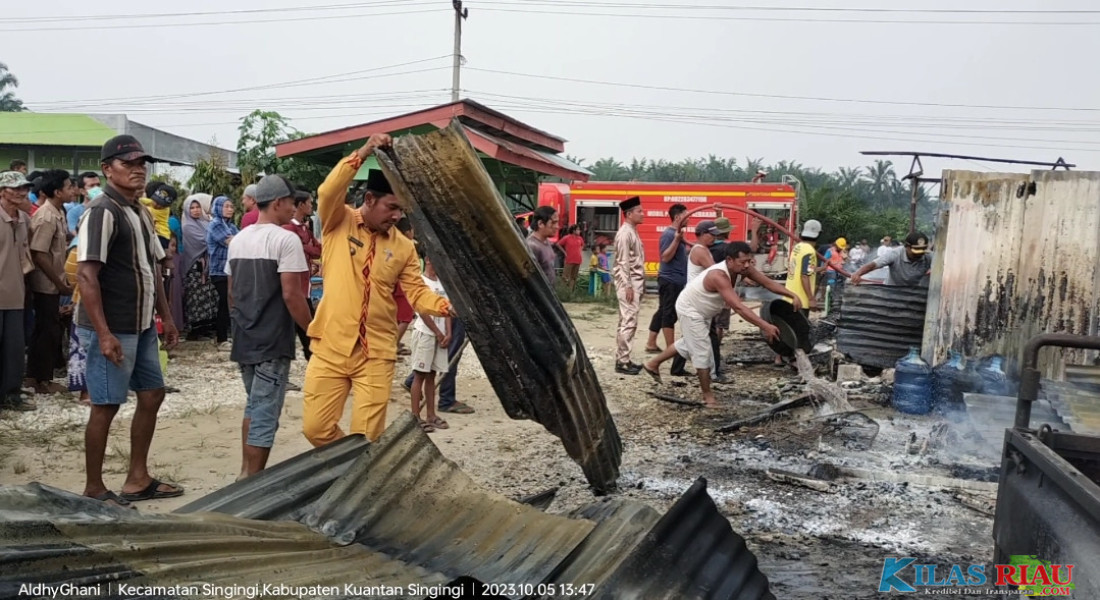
(124, 266)
(194, 235)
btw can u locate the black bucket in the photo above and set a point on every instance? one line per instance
(794, 327)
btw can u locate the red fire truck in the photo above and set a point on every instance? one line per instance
(595, 206)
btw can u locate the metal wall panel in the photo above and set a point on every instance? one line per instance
(1016, 255)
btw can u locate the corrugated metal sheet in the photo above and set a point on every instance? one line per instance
(1010, 264)
(880, 323)
(991, 415)
(54, 537)
(405, 499)
(400, 515)
(279, 490)
(540, 370)
(1078, 406)
(683, 551)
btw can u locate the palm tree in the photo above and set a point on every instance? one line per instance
(8, 101)
(848, 177)
(883, 181)
(608, 169)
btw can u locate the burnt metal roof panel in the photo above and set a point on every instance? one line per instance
(400, 515)
(281, 489)
(539, 368)
(690, 552)
(48, 536)
(403, 498)
(879, 323)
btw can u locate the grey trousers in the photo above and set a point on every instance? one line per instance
(12, 351)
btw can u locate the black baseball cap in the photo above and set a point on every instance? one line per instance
(124, 147)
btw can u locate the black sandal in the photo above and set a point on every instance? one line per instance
(111, 497)
(153, 492)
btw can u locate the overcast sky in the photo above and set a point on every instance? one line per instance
(672, 87)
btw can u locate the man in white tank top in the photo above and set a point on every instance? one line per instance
(705, 297)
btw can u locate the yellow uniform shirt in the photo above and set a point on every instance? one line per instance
(160, 217)
(336, 323)
(803, 261)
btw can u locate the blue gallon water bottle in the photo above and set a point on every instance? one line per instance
(913, 384)
(948, 381)
(994, 380)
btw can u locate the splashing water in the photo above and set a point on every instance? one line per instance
(832, 395)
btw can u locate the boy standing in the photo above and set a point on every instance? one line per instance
(431, 338)
(265, 265)
(602, 268)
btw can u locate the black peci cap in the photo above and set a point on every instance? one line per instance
(377, 183)
(630, 203)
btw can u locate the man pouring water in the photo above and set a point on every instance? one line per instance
(704, 297)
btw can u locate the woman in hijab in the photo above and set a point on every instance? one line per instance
(200, 297)
(218, 237)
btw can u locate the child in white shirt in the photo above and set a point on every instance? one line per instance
(431, 338)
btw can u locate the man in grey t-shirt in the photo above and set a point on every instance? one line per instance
(265, 264)
(907, 268)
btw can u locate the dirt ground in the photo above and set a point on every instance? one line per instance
(811, 544)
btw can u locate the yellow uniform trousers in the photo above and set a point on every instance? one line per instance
(329, 377)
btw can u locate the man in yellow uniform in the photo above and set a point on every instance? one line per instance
(354, 333)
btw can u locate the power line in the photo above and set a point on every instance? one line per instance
(245, 11)
(810, 9)
(558, 3)
(266, 86)
(774, 96)
(840, 132)
(909, 121)
(572, 13)
(144, 26)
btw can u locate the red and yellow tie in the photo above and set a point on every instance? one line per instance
(366, 294)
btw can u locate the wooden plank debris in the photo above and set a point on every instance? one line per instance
(803, 400)
(818, 485)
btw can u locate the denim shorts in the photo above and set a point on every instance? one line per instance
(265, 384)
(140, 369)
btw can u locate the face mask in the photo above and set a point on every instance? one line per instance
(94, 193)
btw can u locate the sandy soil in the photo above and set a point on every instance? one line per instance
(802, 537)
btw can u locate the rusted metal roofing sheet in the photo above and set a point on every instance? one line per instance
(1016, 255)
(880, 323)
(400, 516)
(538, 367)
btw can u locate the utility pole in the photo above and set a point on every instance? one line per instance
(456, 68)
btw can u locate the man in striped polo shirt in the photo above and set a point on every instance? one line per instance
(119, 257)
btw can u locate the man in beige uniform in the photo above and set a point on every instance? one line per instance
(629, 273)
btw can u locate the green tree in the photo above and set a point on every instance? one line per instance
(8, 83)
(211, 176)
(259, 132)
